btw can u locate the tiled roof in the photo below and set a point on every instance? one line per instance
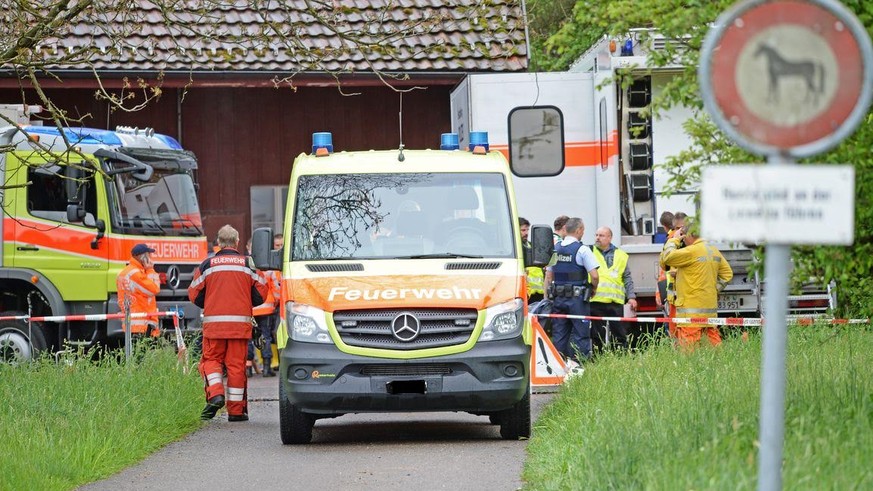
(291, 36)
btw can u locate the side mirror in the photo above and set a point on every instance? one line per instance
(72, 178)
(542, 246)
(536, 141)
(75, 213)
(263, 255)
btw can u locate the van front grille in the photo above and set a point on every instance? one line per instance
(372, 328)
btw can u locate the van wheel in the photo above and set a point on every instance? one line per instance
(19, 343)
(515, 421)
(295, 426)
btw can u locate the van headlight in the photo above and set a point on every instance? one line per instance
(306, 323)
(503, 321)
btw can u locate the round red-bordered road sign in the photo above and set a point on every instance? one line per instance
(791, 77)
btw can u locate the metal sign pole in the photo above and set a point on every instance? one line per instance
(777, 265)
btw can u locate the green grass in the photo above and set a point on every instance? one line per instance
(667, 420)
(77, 421)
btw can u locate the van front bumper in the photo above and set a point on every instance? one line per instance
(320, 379)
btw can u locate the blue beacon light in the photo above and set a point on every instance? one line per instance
(449, 141)
(479, 139)
(323, 139)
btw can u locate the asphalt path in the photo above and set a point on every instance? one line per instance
(402, 451)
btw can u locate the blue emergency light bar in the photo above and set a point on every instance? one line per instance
(449, 141)
(322, 139)
(478, 139)
(93, 136)
(78, 136)
(169, 141)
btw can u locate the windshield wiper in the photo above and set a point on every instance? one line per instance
(440, 255)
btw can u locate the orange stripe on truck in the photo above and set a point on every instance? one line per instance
(76, 240)
(581, 154)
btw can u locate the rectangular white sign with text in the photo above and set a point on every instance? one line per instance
(779, 204)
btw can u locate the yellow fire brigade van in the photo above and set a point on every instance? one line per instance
(404, 286)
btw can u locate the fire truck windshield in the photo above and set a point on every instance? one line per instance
(166, 204)
(396, 216)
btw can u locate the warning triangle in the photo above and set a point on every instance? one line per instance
(547, 364)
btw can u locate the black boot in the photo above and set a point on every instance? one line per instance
(268, 370)
(212, 407)
(237, 417)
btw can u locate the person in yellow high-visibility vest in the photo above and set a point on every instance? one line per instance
(615, 289)
(702, 272)
(534, 274)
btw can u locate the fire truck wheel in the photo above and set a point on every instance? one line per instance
(295, 426)
(515, 421)
(18, 342)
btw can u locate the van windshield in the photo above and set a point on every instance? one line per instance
(391, 216)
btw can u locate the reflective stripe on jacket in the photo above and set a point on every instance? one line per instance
(611, 286)
(226, 286)
(702, 273)
(140, 285)
(274, 288)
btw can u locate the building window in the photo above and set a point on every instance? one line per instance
(268, 207)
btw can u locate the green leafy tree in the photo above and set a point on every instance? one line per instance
(685, 24)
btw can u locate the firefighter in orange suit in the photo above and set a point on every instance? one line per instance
(226, 286)
(701, 273)
(266, 319)
(138, 283)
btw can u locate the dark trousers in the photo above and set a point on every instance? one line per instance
(571, 337)
(617, 330)
(267, 327)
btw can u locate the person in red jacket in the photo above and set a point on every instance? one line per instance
(138, 283)
(226, 286)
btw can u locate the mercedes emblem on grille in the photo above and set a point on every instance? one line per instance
(173, 276)
(405, 327)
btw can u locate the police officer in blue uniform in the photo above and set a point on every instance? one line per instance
(568, 286)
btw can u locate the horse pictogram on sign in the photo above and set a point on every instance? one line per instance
(787, 76)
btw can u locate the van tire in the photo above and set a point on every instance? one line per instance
(15, 344)
(295, 426)
(515, 421)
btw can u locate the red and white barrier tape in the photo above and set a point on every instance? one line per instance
(87, 317)
(711, 321)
